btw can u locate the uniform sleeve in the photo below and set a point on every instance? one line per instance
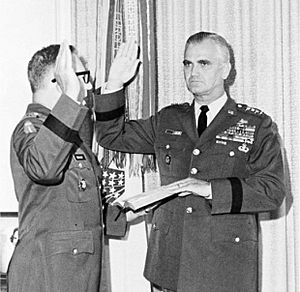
(264, 189)
(43, 148)
(115, 221)
(134, 136)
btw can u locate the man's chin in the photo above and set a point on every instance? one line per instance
(196, 91)
(196, 86)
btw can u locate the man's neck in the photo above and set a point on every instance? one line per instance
(206, 99)
(44, 98)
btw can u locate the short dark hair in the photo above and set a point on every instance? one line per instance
(40, 63)
(219, 40)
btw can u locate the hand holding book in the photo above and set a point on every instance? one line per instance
(182, 188)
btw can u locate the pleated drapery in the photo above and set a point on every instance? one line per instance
(98, 29)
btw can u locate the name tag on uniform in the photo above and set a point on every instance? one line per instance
(173, 132)
(79, 157)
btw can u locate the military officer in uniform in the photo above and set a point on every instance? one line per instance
(224, 161)
(57, 181)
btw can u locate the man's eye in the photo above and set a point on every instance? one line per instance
(204, 63)
(187, 64)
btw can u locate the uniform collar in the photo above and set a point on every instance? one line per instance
(37, 107)
(226, 117)
(214, 108)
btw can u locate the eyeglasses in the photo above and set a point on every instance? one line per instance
(85, 76)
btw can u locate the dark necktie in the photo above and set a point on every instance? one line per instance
(202, 120)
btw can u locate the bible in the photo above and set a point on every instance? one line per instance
(145, 199)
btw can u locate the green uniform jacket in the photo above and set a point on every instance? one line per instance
(56, 178)
(196, 244)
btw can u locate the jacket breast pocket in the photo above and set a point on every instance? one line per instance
(80, 183)
(233, 228)
(174, 156)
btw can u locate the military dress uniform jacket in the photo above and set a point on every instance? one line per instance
(56, 178)
(197, 244)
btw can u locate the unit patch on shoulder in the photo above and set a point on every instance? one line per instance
(248, 109)
(29, 128)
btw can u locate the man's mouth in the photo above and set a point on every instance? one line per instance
(195, 81)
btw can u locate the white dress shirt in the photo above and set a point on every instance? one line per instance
(214, 108)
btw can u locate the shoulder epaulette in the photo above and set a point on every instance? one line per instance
(35, 115)
(180, 105)
(250, 110)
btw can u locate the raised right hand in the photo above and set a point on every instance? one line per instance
(124, 66)
(64, 72)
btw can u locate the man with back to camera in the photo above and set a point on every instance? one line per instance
(222, 158)
(57, 181)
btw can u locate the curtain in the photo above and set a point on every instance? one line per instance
(265, 40)
(98, 29)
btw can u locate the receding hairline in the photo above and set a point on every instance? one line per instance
(221, 44)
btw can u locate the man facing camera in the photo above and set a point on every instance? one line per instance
(57, 181)
(222, 158)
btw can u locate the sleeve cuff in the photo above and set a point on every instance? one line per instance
(103, 89)
(115, 221)
(65, 119)
(207, 191)
(227, 195)
(70, 113)
(110, 106)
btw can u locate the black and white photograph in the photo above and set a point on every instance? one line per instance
(150, 146)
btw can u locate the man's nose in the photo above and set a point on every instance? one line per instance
(195, 70)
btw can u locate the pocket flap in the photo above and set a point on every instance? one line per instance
(73, 242)
(233, 229)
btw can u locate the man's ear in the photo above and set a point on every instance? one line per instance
(226, 70)
(58, 88)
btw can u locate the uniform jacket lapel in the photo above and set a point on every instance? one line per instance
(189, 123)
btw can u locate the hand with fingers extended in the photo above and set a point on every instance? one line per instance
(124, 65)
(191, 186)
(64, 73)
